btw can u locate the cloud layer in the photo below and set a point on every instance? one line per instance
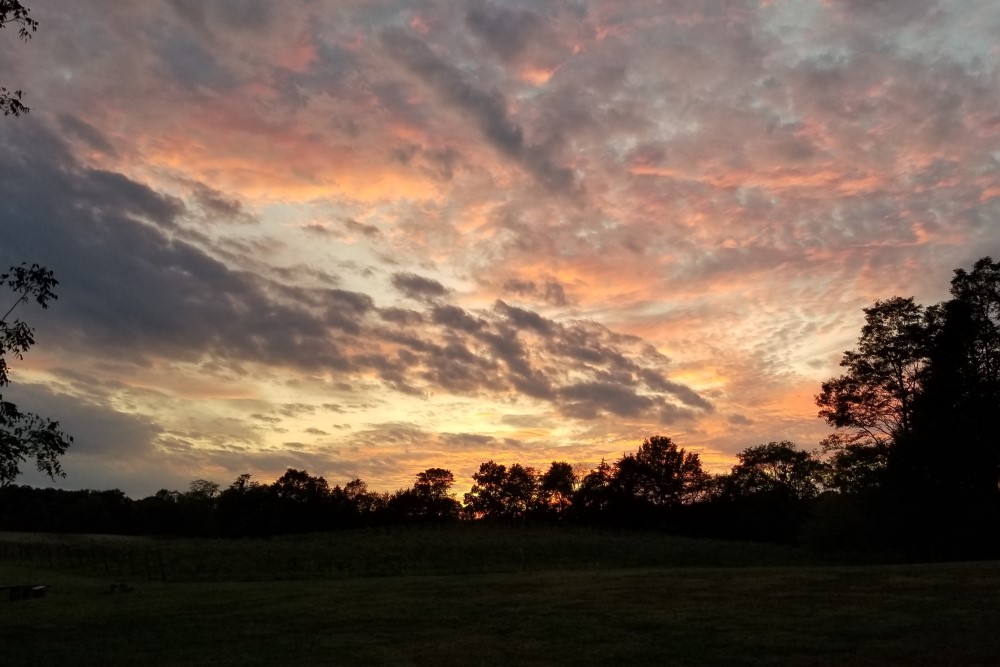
(452, 232)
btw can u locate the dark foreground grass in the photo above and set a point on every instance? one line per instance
(797, 615)
(459, 549)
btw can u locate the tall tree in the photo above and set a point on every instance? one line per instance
(976, 295)
(871, 405)
(556, 488)
(595, 493)
(873, 400)
(955, 447)
(434, 483)
(500, 492)
(662, 473)
(429, 499)
(300, 487)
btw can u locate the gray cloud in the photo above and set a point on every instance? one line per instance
(80, 130)
(524, 319)
(96, 428)
(527, 421)
(893, 12)
(192, 65)
(134, 290)
(110, 449)
(401, 316)
(418, 287)
(249, 15)
(354, 226)
(508, 32)
(551, 291)
(129, 287)
(587, 400)
(220, 207)
(488, 108)
(455, 318)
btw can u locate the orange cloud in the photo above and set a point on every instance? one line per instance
(777, 179)
(536, 76)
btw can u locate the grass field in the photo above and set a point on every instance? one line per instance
(460, 549)
(739, 612)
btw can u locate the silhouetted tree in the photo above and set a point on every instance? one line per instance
(161, 514)
(946, 472)
(203, 489)
(434, 482)
(199, 507)
(856, 467)
(502, 493)
(916, 418)
(871, 405)
(24, 435)
(433, 490)
(556, 488)
(642, 488)
(662, 473)
(429, 499)
(303, 502)
(777, 470)
(766, 495)
(301, 487)
(247, 507)
(593, 497)
(357, 493)
(23, 508)
(353, 505)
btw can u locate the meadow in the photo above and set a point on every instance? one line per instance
(484, 596)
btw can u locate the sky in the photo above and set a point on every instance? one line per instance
(369, 237)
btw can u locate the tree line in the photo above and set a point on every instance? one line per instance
(658, 485)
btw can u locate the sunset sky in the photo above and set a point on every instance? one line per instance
(368, 237)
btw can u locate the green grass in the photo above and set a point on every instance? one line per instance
(681, 614)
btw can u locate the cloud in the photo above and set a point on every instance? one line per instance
(551, 291)
(218, 206)
(381, 207)
(108, 445)
(401, 316)
(893, 12)
(82, 131)
(353, 226)
(586, 400)
(487, 107)
(417, 287)
(508, 32)
(97, 429)
(171, 299)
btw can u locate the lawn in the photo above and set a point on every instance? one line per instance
(683, 614)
